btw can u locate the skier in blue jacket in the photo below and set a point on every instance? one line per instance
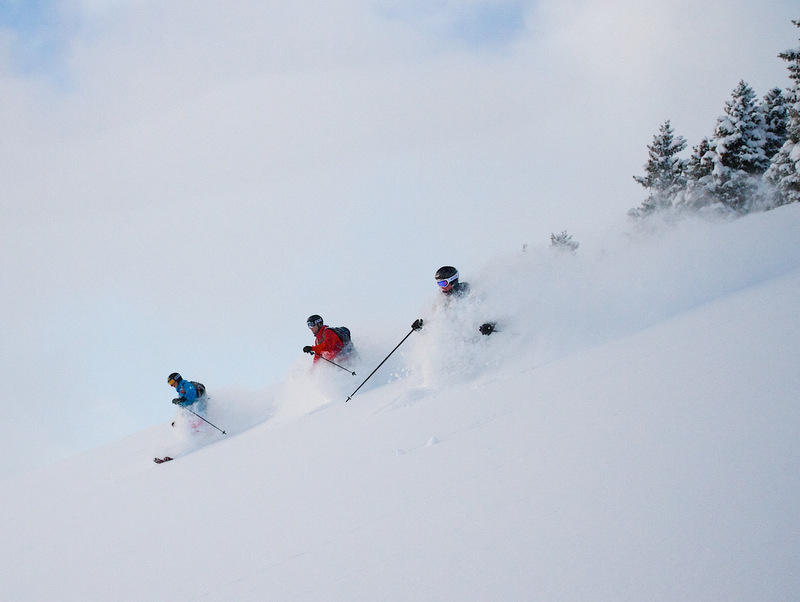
(192, 394)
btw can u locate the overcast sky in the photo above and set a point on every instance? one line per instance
(184, 182)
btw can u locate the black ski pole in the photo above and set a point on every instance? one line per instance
(201, 418)
(335, 364)
(349, 397)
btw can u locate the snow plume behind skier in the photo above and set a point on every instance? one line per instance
(306, 389)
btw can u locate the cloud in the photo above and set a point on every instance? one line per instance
(475, 24)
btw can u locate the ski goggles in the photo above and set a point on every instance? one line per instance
(172, 382)
(447, 281)
(311, 324)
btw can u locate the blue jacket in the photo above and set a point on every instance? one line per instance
(188, 395)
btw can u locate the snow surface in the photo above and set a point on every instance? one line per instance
(630, 433)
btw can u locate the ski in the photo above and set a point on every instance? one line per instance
(162, 460)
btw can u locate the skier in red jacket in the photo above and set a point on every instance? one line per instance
(327, 343)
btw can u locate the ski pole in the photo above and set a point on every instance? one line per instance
(335, 364)
(201, 418)
(379, 365)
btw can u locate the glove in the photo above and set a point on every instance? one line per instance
(487, 328)
(417, 325)
(308, 349)
(178, 400)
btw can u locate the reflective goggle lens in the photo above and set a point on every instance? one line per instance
(448, 281)
(172, 382)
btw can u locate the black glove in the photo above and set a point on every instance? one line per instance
(308, 349)
(487, 328)
(417, 325)
(178, 400)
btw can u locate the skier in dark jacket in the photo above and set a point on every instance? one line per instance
(449, 284)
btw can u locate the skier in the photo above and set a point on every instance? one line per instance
(450, 286)
(192, 397)
(328, 343)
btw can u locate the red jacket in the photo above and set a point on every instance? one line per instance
(327, 344)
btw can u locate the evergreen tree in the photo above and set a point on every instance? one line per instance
(775, 109)
(699, 178)
(664, 172)
(563, 242)
(784, 171)
(700, 164)
(738, 150)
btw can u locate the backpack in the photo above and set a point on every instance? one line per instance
(200, 388)
(343, 332)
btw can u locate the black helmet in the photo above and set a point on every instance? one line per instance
(314, 320)
(446, 275)
(174, 376)
(445, 272)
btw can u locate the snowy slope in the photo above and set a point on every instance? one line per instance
(604, 446)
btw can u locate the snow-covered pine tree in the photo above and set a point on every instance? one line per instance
(700, 164)
(784, 170)
(699, 179)
(664, 172)
(738, 150)
(563, 242)
(775, 108)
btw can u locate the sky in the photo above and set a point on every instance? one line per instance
(646, 450)
(185, 182)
